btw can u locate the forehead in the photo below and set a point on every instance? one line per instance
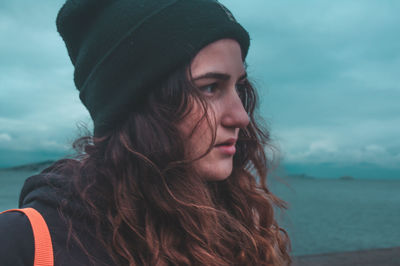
(223, 55)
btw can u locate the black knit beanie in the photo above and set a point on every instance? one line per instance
(121, 49)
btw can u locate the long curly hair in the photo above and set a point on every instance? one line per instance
(148, 207)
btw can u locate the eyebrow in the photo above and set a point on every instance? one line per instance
(216, 75)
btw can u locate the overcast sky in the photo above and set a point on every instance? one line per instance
(328, 73)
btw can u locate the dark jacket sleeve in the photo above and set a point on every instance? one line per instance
(16, 240)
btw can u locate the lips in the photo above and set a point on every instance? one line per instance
(224, 144)
(226, 149)
(228, 142)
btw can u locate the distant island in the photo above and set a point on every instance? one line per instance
(301, 176)
(44, 164)
(30, 167)
(346, 177)
(305, 176)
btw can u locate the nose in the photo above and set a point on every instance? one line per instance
(234, 114)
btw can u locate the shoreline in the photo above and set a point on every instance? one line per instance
(370, 257)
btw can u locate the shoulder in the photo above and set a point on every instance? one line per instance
(16, 239)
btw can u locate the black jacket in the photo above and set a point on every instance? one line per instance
(43, 192)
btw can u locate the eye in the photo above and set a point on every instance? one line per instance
(211, 87)
(241, 87)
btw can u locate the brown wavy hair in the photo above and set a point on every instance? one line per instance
(147, 205)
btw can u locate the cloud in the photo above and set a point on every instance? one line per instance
(327, 72)
(39, 104)
(368, 141)
(325, 146)
(4, 137)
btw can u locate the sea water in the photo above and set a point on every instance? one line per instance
(324, 215)
(331, 215)
(11, 182)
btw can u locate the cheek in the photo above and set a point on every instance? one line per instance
(198, 142)
(186, 126)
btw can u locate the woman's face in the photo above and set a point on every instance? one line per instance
(217, 70)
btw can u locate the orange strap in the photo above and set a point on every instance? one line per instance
(41, 235)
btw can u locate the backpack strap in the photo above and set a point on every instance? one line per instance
(41, 235)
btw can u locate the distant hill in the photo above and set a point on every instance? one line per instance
(346, 177)
(30, 167)
(304, 176)
(342, 171)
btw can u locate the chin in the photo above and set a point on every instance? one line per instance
(219, 176)
(216, 179)
(215, 170)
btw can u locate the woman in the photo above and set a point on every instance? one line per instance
(166, 178)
